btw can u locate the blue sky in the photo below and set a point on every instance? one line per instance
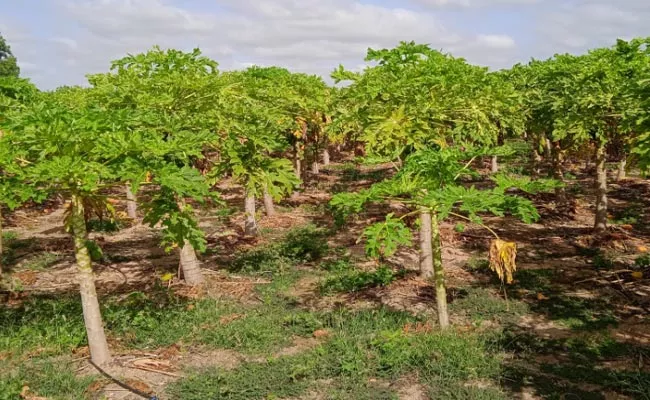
(58, 42)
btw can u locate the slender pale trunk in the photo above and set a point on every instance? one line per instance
(189, 262)
(558, 174)
(600, 224)
(494, 168)
(131, 203)
(431, 262)
(326, 157)
(535, 160)
(298, 167)
(315, 168)
(547, 147)
(90, 304)
(426, 252)
(622, 173)
(250, 225)
(268, 204)
(190, 265)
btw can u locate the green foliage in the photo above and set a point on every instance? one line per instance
(349, 280)
(303, 244)
(384, 238)
(41, 261)
(364, 345)
(8, 63)
(54, 380)
(299, 245)
(642, 261)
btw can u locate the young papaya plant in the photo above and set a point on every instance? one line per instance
(430, 184)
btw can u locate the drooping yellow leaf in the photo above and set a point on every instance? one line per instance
(637, 275)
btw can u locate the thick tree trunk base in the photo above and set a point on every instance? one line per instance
(190, 265)
(131, 203)
(494, 165)
(326, 157)
(97, 343)
(315, 168)
(269, 207)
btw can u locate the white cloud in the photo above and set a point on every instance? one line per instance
(83, 36)
(496, 41)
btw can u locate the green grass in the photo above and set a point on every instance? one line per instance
(53, 379)
(299, 245)
(481, 304)
(364, 346)
(353, 280)
(40, 261)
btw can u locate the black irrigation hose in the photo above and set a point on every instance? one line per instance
(124, 385)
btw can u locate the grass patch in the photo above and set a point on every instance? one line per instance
(354, 280)
(40, 262)
(481, 304)
(55, 380)
(363, 346)
(104, 225)
(299, 245)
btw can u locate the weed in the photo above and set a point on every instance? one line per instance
(364, 345)
(298, 245)
(304, 244)
(104, 225)
(603, 260)
(40, 262)
(50, 379)
(642, 261)
(477, 264)
(482, 304)
(347, 281)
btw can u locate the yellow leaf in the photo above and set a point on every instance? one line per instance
(167, 277)
(637, 275)
(642, 249)
(540, 296)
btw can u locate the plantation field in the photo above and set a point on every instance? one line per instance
(300, 312)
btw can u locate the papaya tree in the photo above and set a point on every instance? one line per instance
(430, 185)
(173, 101)
(252, 141)
(423, 110)
(61, 150)
(14, 94)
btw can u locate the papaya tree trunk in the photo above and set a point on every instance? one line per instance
(535, 160)
(131, 203)
(297, 162)
(547, 147)
(431, 262)
(622, 165)
(190, 265)
(250, 225)
(600, 224)
(268, 204)
(326, 157)
(558, 174)
(494, 168)
(90, 304)
(315, 168)
(426, 252)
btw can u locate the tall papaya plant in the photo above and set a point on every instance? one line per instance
(61, 149)
(173, 100)
(415, 104)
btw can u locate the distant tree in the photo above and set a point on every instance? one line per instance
(8, 62)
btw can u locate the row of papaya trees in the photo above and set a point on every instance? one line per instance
(171, 121)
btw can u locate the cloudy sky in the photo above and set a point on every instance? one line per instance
(57, 42)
